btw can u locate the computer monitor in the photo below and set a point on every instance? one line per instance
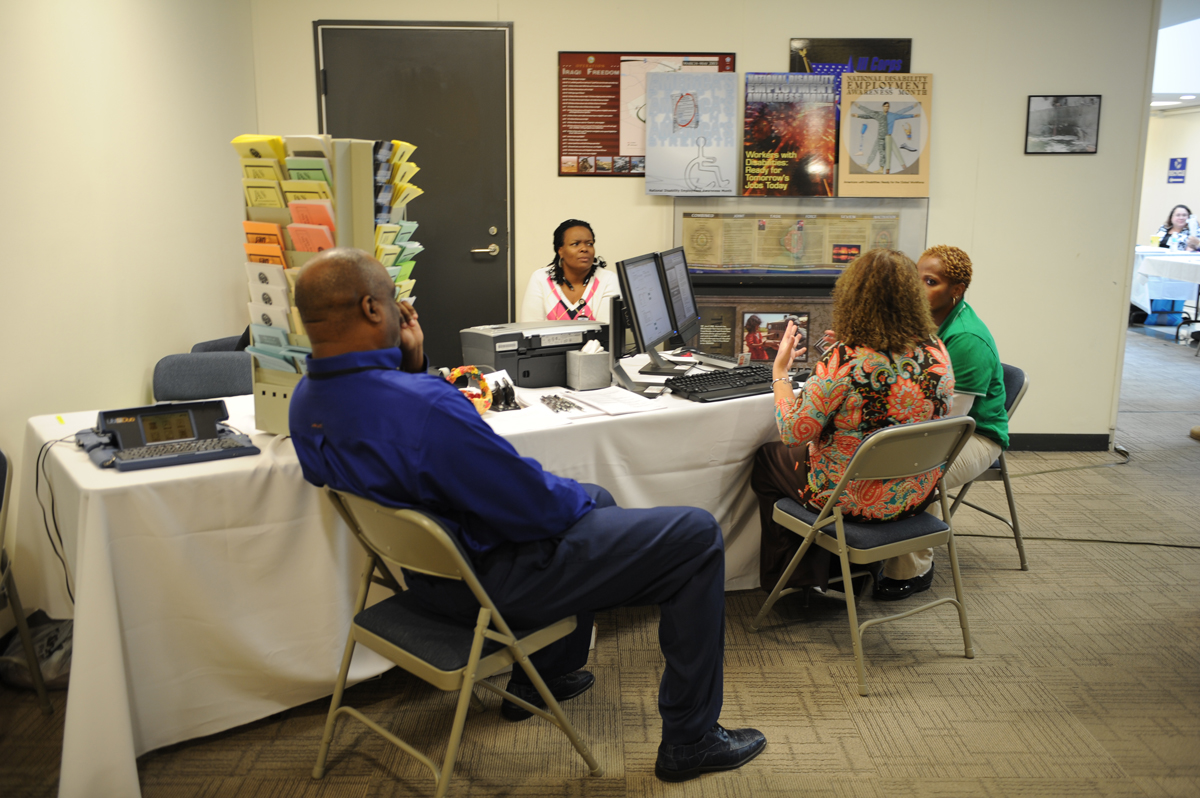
(642, 290)
(681, 301)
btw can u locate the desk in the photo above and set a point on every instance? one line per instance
(213, 594)
(1162, 274)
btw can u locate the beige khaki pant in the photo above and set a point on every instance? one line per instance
(973, 460)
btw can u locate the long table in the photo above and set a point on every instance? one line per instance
(213, 594)
(1162, 274)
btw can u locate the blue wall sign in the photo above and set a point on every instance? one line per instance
(1176, 170)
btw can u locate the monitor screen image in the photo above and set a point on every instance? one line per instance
(643, 292)
(679, 292)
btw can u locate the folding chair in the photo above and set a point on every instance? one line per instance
(447, 655)
(8, 593)
(1015, 386)
(892, 453)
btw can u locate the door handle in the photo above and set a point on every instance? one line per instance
(493, 249)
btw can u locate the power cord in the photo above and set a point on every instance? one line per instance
(39, 474)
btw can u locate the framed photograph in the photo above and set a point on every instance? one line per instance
(1062, 124)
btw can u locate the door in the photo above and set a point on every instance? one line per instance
(445, 87)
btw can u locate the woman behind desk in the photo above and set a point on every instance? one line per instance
(575, 285)
(886, 368)
(1178, 235)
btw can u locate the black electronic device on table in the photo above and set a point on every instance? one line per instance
(713, 386)
(161, 435)
(681, 300)
(644, 294)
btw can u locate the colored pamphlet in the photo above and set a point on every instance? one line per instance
(254, 146)
(387, 254)
(403, 270)
(406, 231)
(266, 274)
(386, 233)
(269, 295)
(310, 237)
(410, 249)
(265, 336)
(272, 358)
(277, 316)
(262, 193)
(305, 190)
(265, 253)
(315, 145)
(403, 173)
(401, 150)
(313, 211)
(309, 169)
(261, 169)
(264, 233)
(405, 288)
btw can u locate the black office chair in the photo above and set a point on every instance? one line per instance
(1015, 386)
(8, 593)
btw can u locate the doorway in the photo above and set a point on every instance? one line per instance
(446, 88)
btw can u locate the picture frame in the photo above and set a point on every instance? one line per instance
(1062, 124)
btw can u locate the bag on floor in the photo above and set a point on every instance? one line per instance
(51, 644)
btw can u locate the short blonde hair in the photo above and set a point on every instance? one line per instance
(955, 263)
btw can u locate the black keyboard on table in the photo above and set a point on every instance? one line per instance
(160, 454)
(712, 386)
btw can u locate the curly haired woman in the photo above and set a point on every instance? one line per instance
(886, 368)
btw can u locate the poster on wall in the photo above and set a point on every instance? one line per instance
(884, 148)
(602, 107)
(691, 134)
(784, 243)
(1062, 124)
(788, 145)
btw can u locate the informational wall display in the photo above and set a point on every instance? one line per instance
(835, 56)
(602, 107)
(884, 148)
(691, 134)
(1177, 170)
(732, 325)
(790, 129)
(802, 236)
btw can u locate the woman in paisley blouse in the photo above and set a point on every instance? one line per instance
(886, 368)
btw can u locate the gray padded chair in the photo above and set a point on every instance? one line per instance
(8, 593)
(203, 375)
(1015, 386)
(451, 657)
(891, 453)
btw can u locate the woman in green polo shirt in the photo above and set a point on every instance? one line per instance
(978, 392)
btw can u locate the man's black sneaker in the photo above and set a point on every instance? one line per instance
(563, 688)
(720, 749)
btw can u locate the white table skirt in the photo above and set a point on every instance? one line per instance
(213, 594)
(1160, 274)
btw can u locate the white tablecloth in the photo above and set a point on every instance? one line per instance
(214, 594)
(1161, 274)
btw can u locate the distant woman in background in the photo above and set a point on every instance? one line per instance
(1177, 234)
(885, 368)
(575, 285)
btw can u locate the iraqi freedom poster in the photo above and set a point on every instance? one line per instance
(884, 148)
(692, 134)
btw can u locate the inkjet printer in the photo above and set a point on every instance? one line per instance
(534, 353)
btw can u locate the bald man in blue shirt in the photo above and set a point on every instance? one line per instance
(368, 420)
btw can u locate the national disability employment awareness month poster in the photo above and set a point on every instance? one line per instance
(692, 134)
(884, 146)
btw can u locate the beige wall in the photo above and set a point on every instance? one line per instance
(1049, 234)
(1171, 135)
(121, 202)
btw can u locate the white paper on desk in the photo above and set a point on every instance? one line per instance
(533, 397)
(615, 400)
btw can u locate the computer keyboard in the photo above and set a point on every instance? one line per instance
(162, 454)
(712, 386)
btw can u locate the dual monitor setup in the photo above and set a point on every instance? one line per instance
(656, 289)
